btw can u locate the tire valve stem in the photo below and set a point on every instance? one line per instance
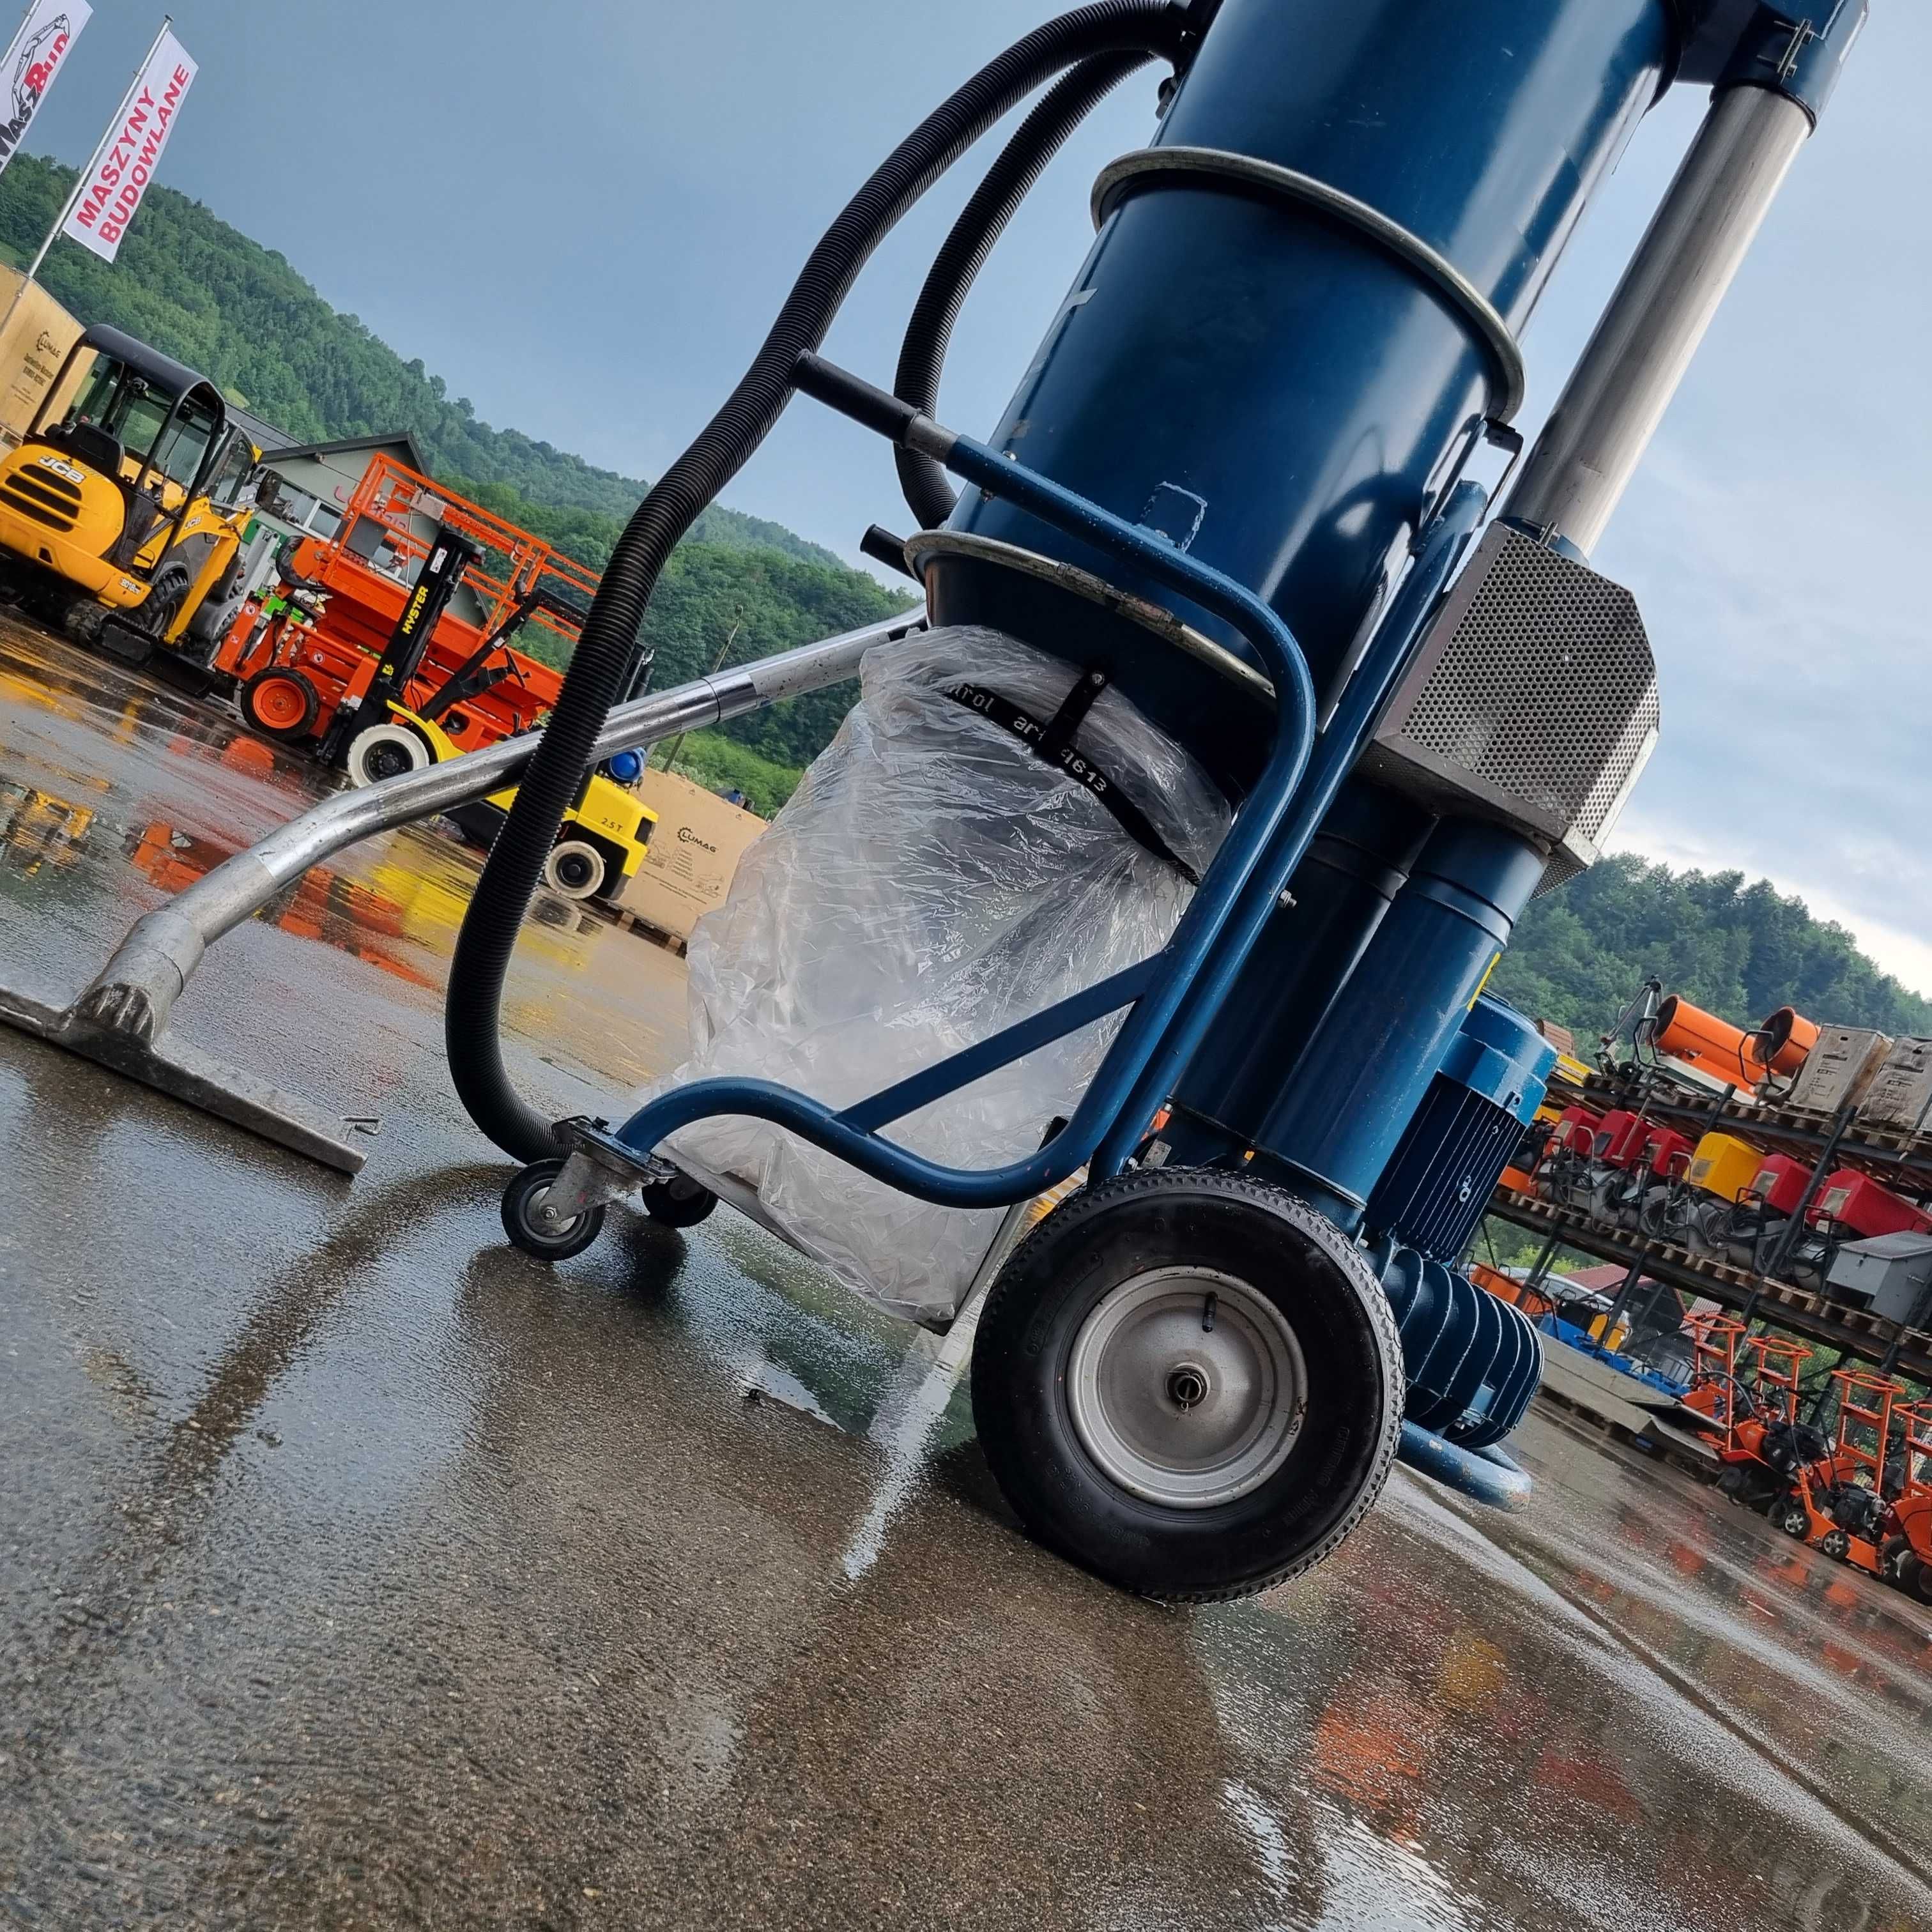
(1207, 1314)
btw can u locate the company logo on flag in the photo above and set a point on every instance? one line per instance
(39, 52)
(109, 197)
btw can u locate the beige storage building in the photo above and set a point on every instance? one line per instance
(31, 351)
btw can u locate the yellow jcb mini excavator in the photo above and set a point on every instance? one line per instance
(117, 519)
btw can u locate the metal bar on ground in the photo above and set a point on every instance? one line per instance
(121, 1019)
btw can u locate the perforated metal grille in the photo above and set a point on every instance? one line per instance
(1535, 702)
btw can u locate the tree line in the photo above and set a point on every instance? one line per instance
(1738, 948)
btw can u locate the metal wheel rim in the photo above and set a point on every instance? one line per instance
(387, 759)
(1129, 1377)
(278, 702)
(541, 1229)
(574, 869)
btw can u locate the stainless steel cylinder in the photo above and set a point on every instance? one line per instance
(1616, 397)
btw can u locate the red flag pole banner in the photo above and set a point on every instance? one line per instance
(28, 68)
(109, 194)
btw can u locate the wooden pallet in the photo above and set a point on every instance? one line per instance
(670, 941)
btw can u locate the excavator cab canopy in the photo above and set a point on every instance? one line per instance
(141, 417)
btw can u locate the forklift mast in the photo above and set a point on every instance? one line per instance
(451, 552)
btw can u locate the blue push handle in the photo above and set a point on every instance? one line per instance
(1195, 938)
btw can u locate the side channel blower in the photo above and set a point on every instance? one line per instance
(1244, 735)
(1473, 1361)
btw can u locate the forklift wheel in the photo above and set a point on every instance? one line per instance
(379, 752)
(682, 1203)
(575, 868)
(522, 1202)
(279, 703)
(1189, 1384)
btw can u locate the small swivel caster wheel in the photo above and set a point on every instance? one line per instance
(680, 1202)
(524, 1221)
(1790, 1515)
(1188, 1383)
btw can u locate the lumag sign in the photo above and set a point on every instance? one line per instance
(27, 69)
(125, 162)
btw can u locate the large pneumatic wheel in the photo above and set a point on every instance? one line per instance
(279, 702)
(379, 752)
(575, 868)
(524, 1223)
(680, 1203)
(1189, 1384)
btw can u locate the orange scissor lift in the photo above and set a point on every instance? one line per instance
(298, 671)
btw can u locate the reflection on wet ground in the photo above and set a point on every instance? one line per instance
(355, 1570)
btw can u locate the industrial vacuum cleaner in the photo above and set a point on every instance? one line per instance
(1157, 886)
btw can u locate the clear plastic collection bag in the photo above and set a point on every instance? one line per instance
(932, 881)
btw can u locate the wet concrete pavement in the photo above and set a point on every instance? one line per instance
(356, 1571)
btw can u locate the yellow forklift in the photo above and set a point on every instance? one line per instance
(606, 829)
(118, 519)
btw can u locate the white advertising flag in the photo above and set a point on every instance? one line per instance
(39, 52)
(106, 200)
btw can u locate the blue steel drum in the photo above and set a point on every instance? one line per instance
(1285, 389)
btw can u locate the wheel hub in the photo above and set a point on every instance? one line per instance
(1186, 1387)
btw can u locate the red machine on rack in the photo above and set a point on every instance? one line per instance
(297, 668)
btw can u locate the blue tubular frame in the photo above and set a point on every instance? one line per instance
(1173, 994)
(1439, 550)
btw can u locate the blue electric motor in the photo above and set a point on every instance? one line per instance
(1474, 1362)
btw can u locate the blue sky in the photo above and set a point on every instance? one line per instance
(583, 214)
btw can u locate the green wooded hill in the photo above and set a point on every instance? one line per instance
(193, 286)
(237, 312)
(1735, 948)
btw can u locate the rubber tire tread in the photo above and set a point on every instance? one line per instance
(670, 1211)
(610, 661)
(540, 1173)
(573, 892)
(282, 734)
(1009, 1304)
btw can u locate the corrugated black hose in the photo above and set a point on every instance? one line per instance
(982, 222)
(608, 651)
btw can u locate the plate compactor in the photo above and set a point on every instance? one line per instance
(1230, 508)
